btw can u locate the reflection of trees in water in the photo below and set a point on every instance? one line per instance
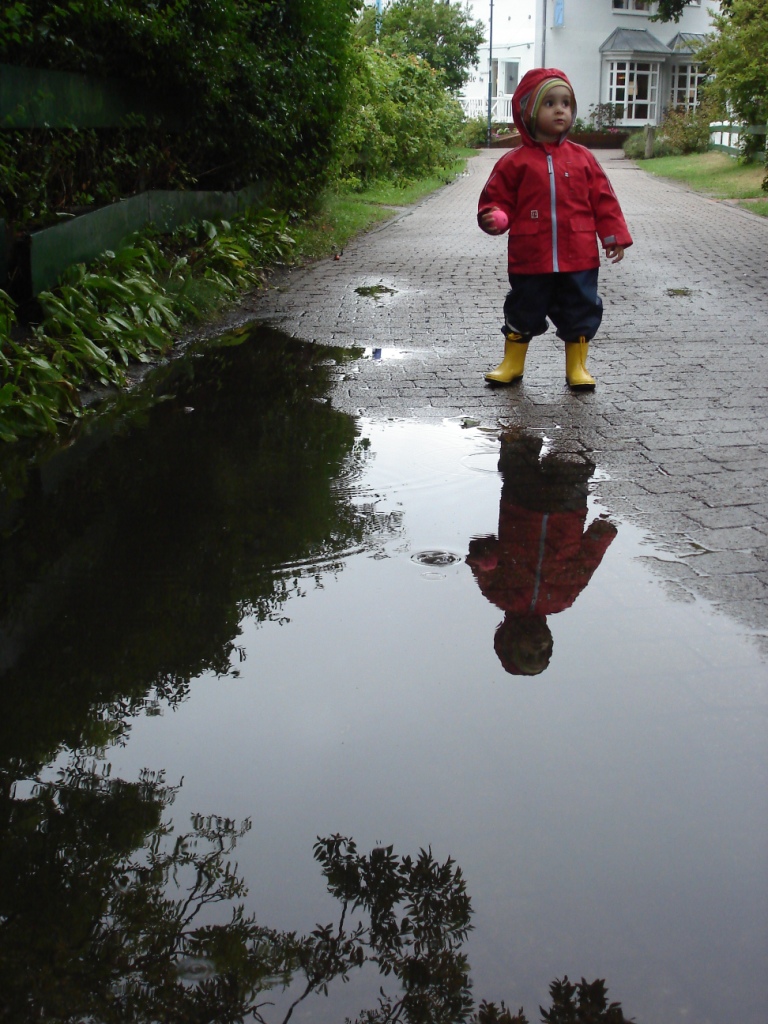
(129, 562)
(106, 915)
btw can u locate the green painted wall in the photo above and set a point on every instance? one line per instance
(86, 237)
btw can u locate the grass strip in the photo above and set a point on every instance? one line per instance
(715, 174)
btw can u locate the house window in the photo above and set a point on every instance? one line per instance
(633, 5)
(686, 82)
(634, 86)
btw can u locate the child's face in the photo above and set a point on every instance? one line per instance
(555, 114)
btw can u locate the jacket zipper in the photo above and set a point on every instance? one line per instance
(539, 562)
(553, 211)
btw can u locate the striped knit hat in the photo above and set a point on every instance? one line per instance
(531, 104)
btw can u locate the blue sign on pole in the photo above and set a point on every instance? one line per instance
(559, 13)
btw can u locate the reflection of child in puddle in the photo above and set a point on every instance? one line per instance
(543, 558)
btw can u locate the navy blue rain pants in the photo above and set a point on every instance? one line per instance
(570, 300)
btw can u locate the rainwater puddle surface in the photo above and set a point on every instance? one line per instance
(331, 626)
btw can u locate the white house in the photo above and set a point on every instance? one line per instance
(610, 49)
(513, 52)
(613, 53)
(508, 64)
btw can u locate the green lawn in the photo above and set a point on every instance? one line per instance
(760, 207)
(716, 174)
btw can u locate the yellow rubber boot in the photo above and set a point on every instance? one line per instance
(576, 364)
(512, 365)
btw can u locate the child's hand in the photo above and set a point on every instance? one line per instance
(615, 253)
(494, 221)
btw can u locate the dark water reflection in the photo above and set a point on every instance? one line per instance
(108, 914)
(237, 605)
(128, 560)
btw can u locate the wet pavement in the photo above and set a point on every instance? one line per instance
(290, 589)
(678, 421)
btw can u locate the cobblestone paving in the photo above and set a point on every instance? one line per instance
(678, 422)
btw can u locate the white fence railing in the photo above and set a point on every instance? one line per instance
(727, 135)
(501, 108)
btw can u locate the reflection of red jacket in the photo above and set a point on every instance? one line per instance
(557, 198)
(541, 561)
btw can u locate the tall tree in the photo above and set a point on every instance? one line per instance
(737, 57)
(672, 10)
(440, 31)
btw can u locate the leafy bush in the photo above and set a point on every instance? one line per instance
(47, 171)
(634, 146)
(261, 83)
(602, 117)
(125, 308)
(475, 132)
(687, 131)
(605, 115)
(736, 56)
(399, 122)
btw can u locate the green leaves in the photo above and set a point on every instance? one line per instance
(259, 88)
(737, 57)
(439, 31)
(126, 308)
(419, 916)
(399, 123)
(583, 1003)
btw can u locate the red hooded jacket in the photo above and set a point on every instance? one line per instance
(557, 197)
(541, 561)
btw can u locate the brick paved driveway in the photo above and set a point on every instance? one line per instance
(678, 422)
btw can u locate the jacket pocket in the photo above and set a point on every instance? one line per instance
(583, 222)
(582, 241)
(530, 246)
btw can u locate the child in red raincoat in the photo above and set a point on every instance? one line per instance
(554, 199)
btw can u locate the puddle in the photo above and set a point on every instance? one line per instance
(383, 354)
(219, 619)
(375, 291)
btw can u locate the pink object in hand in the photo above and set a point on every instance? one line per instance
(500, 220)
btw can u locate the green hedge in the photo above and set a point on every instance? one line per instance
(400, 123)
(261, 85)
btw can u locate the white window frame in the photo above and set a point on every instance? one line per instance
(634, 85)
(685, 81)
(645, 7)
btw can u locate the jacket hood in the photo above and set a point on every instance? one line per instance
(524, 100)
